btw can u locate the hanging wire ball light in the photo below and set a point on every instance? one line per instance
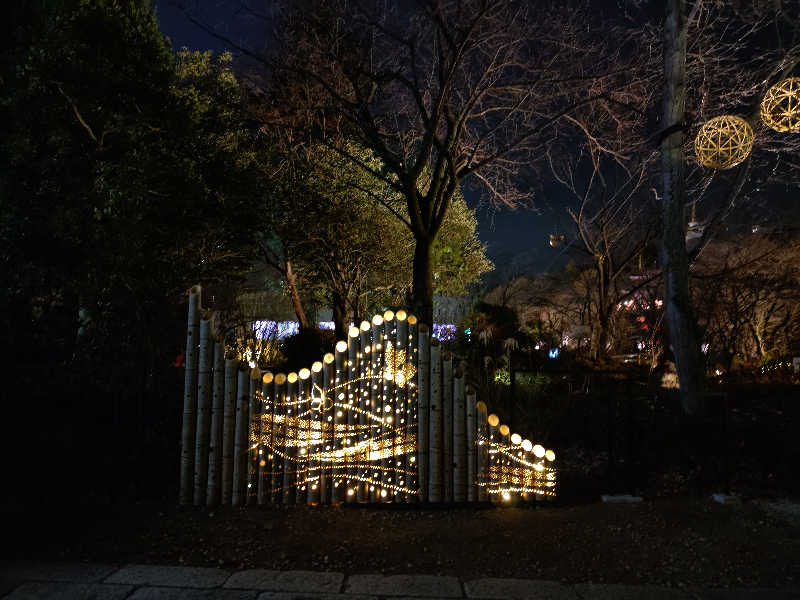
(780, 108)
(723, 142)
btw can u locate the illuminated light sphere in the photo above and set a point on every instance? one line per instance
(780, 108)
(401, 315)
(364, 325)
(504, 430)
(316, 367)
(341, 346)
(262, 463)
(280, 378)
(516, 439)
(723, 142)
(304, 373)
(412, 320)
(377, 320)
(350, 492)
(538, 451)
(480, 405)
(268, 377)
(328, 358)
(383, 493)
(291, 377)
(353, 332)
(388, 315)
(550, 455)
(255, 373)
(493, 420)
(527, 445)
(506, 496)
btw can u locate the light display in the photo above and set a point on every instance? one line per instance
(723, 142)
(780, 108)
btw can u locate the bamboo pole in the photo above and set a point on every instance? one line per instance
(229, 428)
(265, 442)
(482, 451)
(504, 480)
(376, 405)
(495, 458)
(253, 433)
(423, 408)
(459, 438)
(278, 439)
(364, 424)
(290, 466)
(351, 403)
(339, 491)
(203, 413)
(412, 403)
(303, 435)
(316, 439)
(447, 426)
(327, 416)
(190, 396)
(435, 428)
(240, 440)
(471, 447)
(401, 386)
(213, 493)
(389, 400)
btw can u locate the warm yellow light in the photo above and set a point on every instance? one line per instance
(316, 367)
(550, 455)
(412, 320)
(350, 492)
(262, 463)
(723, 142)
(304, 373)
(383, 493)
(504, 430)
(280, 378)
(377, 320)
(480, 406)
(493, 420)
(538, 451)
(388, 315)
(353, 332)
(527, 445)
(328, 358)
(401, 315)
(506, 496)
(516, 439)
(292, 377)
(268, 377)
(341, 346)
(780, 108)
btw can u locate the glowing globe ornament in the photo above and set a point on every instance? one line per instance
(723, 142)
(780, 108)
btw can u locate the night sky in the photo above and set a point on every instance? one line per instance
(517, 241)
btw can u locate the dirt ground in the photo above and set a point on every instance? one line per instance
(676, 541)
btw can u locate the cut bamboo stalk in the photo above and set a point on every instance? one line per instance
(364, 424)
(412, 403)
(376, 406)
(303, 434)
(265, 439)
(447, 426)
(290, 466)
(203, 427)
(240, 440)
(423, 409)
(316, 439)
(389, 400)
(229, 428)
(339, 491)
(190, 397)
(214, 491)
(495, 458)
(504, 481)
(278, 439)
(253, 434)
(459, 438)
(435, 429)
(401, 385)
(471, 447)
(351, 404)
(482, 451)
(327, 415)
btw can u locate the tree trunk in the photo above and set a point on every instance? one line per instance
(291, 284)
(675, 265)
(422, 281)
(339, 307)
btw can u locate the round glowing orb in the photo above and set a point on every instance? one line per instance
(383, 493)
(527, 445)
(723, 142)
(538, 451)
(341, 346)
(493, 420)
(292, 377)
(550, 455)
(388, 315)
(304, 373)
(780, 108)
(412, 320)
(328, 358)
(480, 406)
(353, 332)
(506, 496)
(280, 378)
(401, 315)
(504, 430)
(377, 320)
(364, 325)
(316, 367)
(516, 439)
(268, 377)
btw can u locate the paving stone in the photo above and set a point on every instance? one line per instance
(746, 594)
(286, 581)
(414, 586)
(173, 593)
(590, 591)
(69, 591)
(193, 577)
(518, 588)
(71, 572)
(310, 596)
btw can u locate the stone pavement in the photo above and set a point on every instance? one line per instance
(86, 581)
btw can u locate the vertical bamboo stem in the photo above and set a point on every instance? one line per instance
(401, 386)
(190, 397)
(240, 439)
(265, 442)
(317, 438)
(504, 481)
(253, 434)
(376, 406)
(423, 408)
(290, 466)
(459, 438)
(388, 402)
(482, 451)
(340, 425)
(278, 439)
(435, 429)
(412, 403)
(229, 428)
(447, 425)
(351, 403)
(303, 435)
(495, 458)
(203, 413)
(471, 446)
(364, 424)
(213, 494)
(327, 415)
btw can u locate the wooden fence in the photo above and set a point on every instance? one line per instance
(387, 417)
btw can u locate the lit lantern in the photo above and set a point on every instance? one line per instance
(723, 142)
(780, 108)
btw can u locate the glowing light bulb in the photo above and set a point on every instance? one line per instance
(550, 455)
(538, 451)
